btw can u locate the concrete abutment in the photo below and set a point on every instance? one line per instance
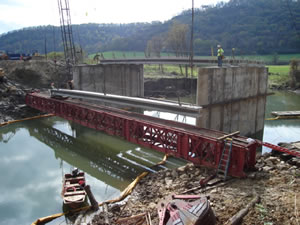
(233, 98)
(119, 79)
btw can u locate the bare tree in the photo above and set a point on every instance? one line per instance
(154, 47)
(177, 40)
(149, 49)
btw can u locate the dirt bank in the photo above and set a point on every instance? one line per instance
(34, 73)
(12, 101)
(276, 182)
(21, 77)
(169, 87)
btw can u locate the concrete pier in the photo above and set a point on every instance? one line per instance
(119, 79)
(233, 98)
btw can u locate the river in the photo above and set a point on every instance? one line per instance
(35, 154)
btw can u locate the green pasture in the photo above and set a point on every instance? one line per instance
(282, 70)
(279, 75)
(268, 59)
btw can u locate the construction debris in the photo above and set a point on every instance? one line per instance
(275, 181)
(238, 218)
(185, 210)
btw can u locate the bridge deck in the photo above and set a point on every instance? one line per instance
(198, 145)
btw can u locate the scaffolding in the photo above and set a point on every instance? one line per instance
(67, 34)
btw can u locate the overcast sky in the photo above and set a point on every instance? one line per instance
(16, 14)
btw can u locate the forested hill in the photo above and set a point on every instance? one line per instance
(249, 26)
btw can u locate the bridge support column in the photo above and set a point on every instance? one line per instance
(233, 98)
(119, 79)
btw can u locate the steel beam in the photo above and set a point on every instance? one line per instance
(153, 104)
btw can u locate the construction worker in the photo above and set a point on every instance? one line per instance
(220, 54)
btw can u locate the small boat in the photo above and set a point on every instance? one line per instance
(185, 210)
(73, 192)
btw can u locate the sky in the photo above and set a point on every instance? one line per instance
(17, 14)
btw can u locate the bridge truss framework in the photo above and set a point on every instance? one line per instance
(197, 145)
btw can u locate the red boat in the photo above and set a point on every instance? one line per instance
(73, 193)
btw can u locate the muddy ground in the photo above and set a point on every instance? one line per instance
(37, 74)
(276, 182)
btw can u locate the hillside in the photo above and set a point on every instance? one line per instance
(249, 26)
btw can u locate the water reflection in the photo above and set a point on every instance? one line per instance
(97, 160)
(25, 190)
(172, 116)
(283, 130)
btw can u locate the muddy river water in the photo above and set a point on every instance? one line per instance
(35, 155)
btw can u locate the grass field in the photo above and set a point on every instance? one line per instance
(279, 70)
(279, 75)
(269, 59)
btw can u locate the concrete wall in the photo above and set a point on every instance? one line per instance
(233, 97)
(120, 79)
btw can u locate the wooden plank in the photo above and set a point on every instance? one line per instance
(74, 198)
(285, 113)
(228, 135)
(74, 193)
(213, 181)
(72, 185)
(75, 178)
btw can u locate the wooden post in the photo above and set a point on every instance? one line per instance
(92, 199)
(238, 218)
(105, 210)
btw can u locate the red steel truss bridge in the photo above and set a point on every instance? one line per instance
(198, 145)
